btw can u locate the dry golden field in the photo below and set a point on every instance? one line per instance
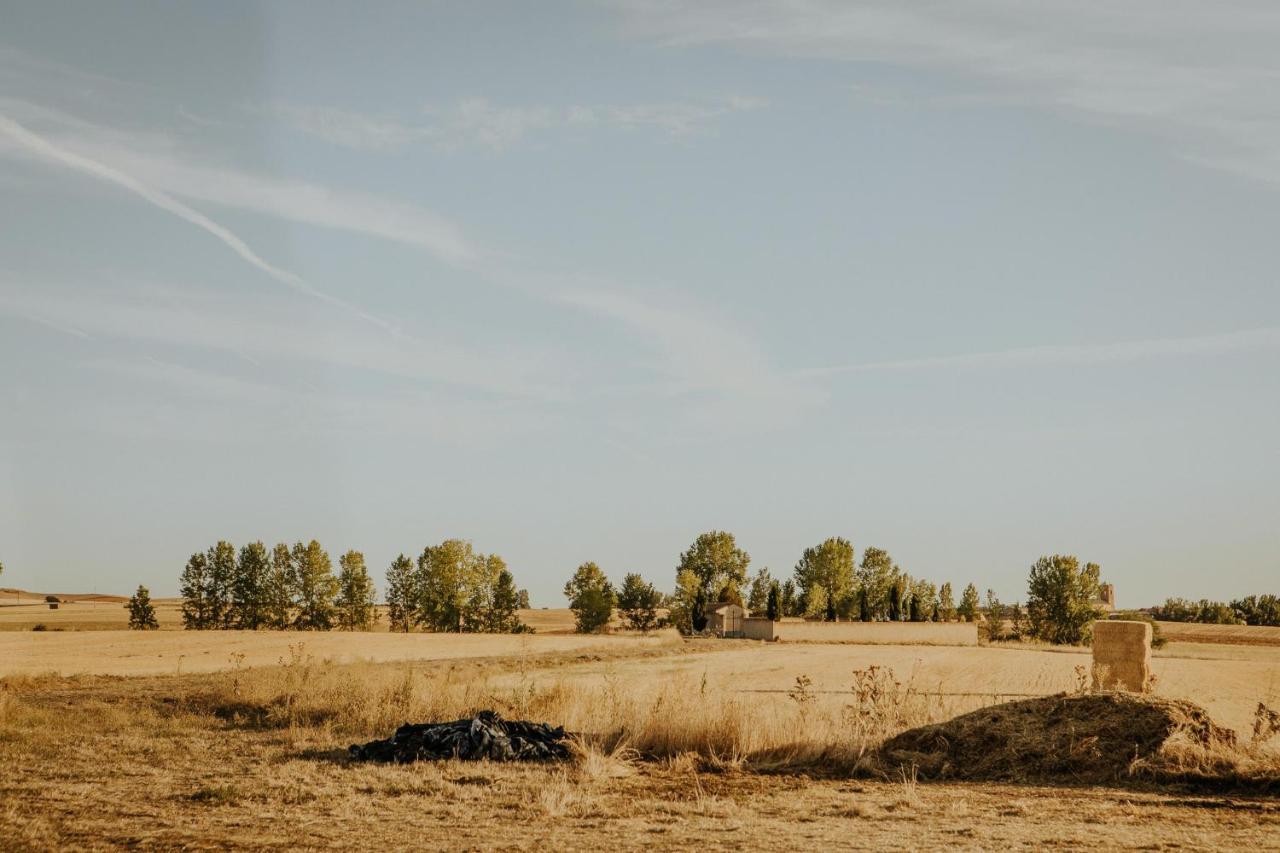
(233, 739)
(255, 757)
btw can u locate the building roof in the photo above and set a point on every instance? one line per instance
(724, 605)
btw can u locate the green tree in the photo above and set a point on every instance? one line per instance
(222, 573)
(249, 587)
(716, 561)
(894, 600)
(864, 605)
(875, 575)
(480, 581)
(446, 584)
(684, 604)
(142, 616)
(946, 603)
(316, 587)
(699, 616)
(194, 589)
(638, 602)
(354, 601)
(968, 609)
(502, 617)
(590, 597)
(825, 575)
(1060, 599)
(729, 595)
(925, 598)
(522, 600)
(789, 605)
(402, 596)
(758, 598)
(994, 617)
(773, 606)
(281, 589)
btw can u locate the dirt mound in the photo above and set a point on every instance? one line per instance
(1094, 738)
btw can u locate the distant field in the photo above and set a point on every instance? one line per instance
(1246, 635)
(22, 611)
(171, 652)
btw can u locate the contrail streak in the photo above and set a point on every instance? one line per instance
(42, 147)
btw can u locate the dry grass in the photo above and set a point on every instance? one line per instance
(256, 758)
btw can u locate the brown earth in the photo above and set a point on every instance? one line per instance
(1090, 739)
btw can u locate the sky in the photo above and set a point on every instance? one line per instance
(972, 282)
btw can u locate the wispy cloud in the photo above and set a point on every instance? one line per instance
(44, 149)
(1204, 77)
(1071, 355)
(477, 122)
(156, 164)
(266, 330)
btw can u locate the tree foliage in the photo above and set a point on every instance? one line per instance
(1250, 610)
(280, 590)
(354, 601)
(946, 603)
(591, 598)
(638, 601)
(876, 574)
(142, 615)
(773, 605)
(825, 576)
(193, 586)
(969, 604)
(316, 587)
(460, 590)
(758, 596)
(249, 601)
(502, 616)
(452, 588)
(402, 594)
(1060, 599)
(716, 561)
(221, 579)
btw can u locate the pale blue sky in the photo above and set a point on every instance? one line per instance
(971, 282)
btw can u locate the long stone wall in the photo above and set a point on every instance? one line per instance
(872, 633)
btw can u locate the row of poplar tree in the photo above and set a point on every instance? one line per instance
(449, 588)
(827, 583)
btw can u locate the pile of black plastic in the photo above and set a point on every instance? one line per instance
(485, 735)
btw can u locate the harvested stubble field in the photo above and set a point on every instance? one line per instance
(674, 754)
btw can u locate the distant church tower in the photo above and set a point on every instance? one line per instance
(1107, 592)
